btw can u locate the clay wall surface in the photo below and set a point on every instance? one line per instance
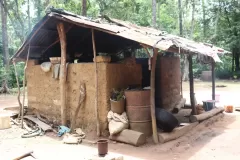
(44, 91)
(168, 82)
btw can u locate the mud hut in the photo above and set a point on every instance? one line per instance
(69, 36)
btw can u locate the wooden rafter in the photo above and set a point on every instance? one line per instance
(57, 40)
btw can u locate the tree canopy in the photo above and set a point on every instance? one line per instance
(212, 21)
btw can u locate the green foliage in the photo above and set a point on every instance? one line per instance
(221, 20)
(224, 70)
(117, 95)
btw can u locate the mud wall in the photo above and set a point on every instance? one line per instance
(44, 92)
(168, 81)
(117, 76)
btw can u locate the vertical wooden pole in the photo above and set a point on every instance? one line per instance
(213, 79)
(153, 115)
(63, 71)
(191, 82)
(19, 92)
(24, 85)
(96, 84)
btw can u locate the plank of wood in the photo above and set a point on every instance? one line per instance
(43, 126)
(176, 133)
(205, 115)
(130, 137)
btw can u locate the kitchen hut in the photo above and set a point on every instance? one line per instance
(79, 42)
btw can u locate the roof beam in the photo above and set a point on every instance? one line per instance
(55, 42)
(48, 30)
(38, 47)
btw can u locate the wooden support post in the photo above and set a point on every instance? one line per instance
(191, 82)
(63, 71)
(24, 86)
(153, 115)
(19, 92)
(96, 84)
(213, 79)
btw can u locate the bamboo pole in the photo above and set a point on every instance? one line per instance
(24, 83)
(191, 83)
(153, 116)
(63, 71)
(96, 83)
(19, 92)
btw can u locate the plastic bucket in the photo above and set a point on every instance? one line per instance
(208, 105)
(217, 97)
(102, 147)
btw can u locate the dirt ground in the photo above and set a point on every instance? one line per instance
(215, 138)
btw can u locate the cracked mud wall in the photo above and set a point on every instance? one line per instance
(44, 91)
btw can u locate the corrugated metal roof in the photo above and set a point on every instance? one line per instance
(143, 35)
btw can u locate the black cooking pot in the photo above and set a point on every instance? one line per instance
(165, 120)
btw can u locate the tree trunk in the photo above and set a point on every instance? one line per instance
(46, 3)
(180, 16)
(154, 10)
(237, 66)
(233, 59)
(193, 18)
(186, 63)
(204, 18)
(29, 19)
(39, 8)
(159, 13)
(5, 38)
(16, 29)
(84, 7)
(5, 51)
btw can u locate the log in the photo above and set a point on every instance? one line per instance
(176, 133)
(180, 105)
(152, 97)
(63, 71)
(130, 137)
(183, 115)
(96, 84)
(237, 109)
(205, 115)
(187, 106)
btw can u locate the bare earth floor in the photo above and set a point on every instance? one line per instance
(216, 138)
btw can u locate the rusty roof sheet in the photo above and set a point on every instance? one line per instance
(143, 35)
